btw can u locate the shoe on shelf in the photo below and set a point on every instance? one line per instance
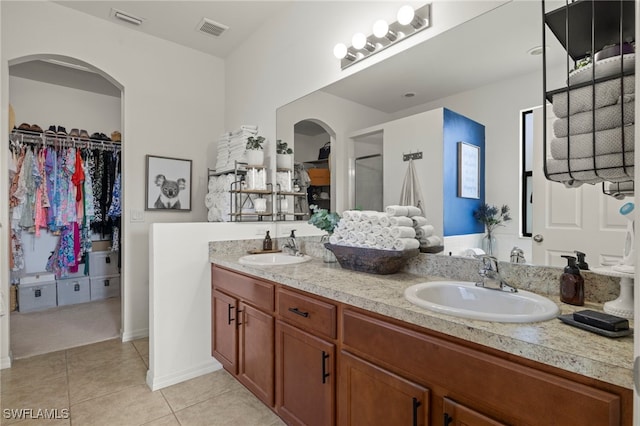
(36, 129)
(62, 131)
(51, 130)
(116, 136)
(96, 136)
(24, 127)
(84, 135)
(74, 133)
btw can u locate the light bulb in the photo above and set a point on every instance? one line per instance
(380, 28)
(405, 15)
(340, 51)
(358, 41)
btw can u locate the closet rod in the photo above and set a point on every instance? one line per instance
(66, 141)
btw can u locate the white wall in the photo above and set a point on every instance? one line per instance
(172, 106)
(180, 293)
(307, 147)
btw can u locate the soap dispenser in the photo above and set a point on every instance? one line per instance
(267, 243)
(572, 283)
(581, 262)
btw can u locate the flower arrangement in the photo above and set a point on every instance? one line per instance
(492, 217)
(322, 219)
(255, 143)
(282, 147)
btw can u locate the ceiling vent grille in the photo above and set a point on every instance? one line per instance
(210, 27)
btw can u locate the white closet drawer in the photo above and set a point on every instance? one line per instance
(36, 296)
(103, 263)
(73, 290)
(105, 287)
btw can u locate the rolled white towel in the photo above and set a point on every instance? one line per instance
(213, 215)
(400, 221)
(388, 243)
(413, 211)
(356, 215)
(365, 215)
(406, 244)
(346, 215)
(209, 200)
(433, 240)
(361, 237)
(365, 227)
(385, 231)
(397, 211)
(344, 243)
(352, 237)
(351, 226)
(380, 241)
(384, 221)
(376, 229)
(403, 232)
(424, 232)
(334, 239)
(419, 221)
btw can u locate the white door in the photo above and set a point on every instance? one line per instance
(568, 219)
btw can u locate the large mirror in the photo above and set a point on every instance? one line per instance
(488, 69)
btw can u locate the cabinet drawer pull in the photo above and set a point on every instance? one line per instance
(416, 404)
(299, 312)
(447, 419)
(325, 356)
(238, 316)
(229, 319)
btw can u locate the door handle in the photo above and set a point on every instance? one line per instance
(229, 319)
(325, 374)
(538, 238)
(416, 404)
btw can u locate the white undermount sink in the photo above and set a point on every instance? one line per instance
(466, 300)
(273, 259)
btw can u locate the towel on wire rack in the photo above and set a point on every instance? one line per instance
(580, 100)
(581, 146)
(608, 117)
(609, 167)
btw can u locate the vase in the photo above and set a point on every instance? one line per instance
(489, 244)
(327, 255)
(284, 161)
(255, 157)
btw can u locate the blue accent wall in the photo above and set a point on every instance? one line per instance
(458, 212)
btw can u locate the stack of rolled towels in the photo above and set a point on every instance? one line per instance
(397, 228)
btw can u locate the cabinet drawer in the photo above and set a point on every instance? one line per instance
(306, 312)
(251, 290)
(500, 387)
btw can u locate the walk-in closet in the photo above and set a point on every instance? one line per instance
(65, 151)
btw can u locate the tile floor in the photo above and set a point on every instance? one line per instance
(104, 384)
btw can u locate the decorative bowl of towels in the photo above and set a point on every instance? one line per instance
(372, 261)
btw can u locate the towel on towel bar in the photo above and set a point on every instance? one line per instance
(580, 100)
(608, 117)
(581, 146)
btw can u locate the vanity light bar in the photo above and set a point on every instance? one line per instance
(409, 22)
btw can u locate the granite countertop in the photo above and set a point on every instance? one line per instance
(550, 342)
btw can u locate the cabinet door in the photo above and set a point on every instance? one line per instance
(458, 415)
(256, 352)
(370, 395)
(305, 377)
(224, 339)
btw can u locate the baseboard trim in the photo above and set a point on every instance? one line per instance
(5, 362)
(156, 383)
(136, 334)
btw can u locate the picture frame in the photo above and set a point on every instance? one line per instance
(468, 170)
(168, 184)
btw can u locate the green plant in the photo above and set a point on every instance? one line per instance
(491, 216)
(322, 219)
(255, 143)
(282, 147)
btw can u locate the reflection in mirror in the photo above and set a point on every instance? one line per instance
(491, 77)
(310, 137)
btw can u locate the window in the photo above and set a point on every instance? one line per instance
(527, 172)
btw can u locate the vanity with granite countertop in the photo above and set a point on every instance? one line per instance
(323, 345)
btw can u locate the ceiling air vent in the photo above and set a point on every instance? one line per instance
(210, 27)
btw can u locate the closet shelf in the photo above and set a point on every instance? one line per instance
(56, 140)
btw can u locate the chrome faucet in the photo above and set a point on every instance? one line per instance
(291, 246)
(491, 273)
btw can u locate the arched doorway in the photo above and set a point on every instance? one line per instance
(83, 106)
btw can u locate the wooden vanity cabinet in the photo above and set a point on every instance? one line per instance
(305, 359)
(243, 329)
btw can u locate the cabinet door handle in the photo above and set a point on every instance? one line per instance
(299, 312)
(447, 419)
(416, 404)
(325, 356)
(229, 319)
(238, 316)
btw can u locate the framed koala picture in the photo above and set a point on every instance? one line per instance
(168, 184)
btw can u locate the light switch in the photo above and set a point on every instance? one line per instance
(137, 215)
